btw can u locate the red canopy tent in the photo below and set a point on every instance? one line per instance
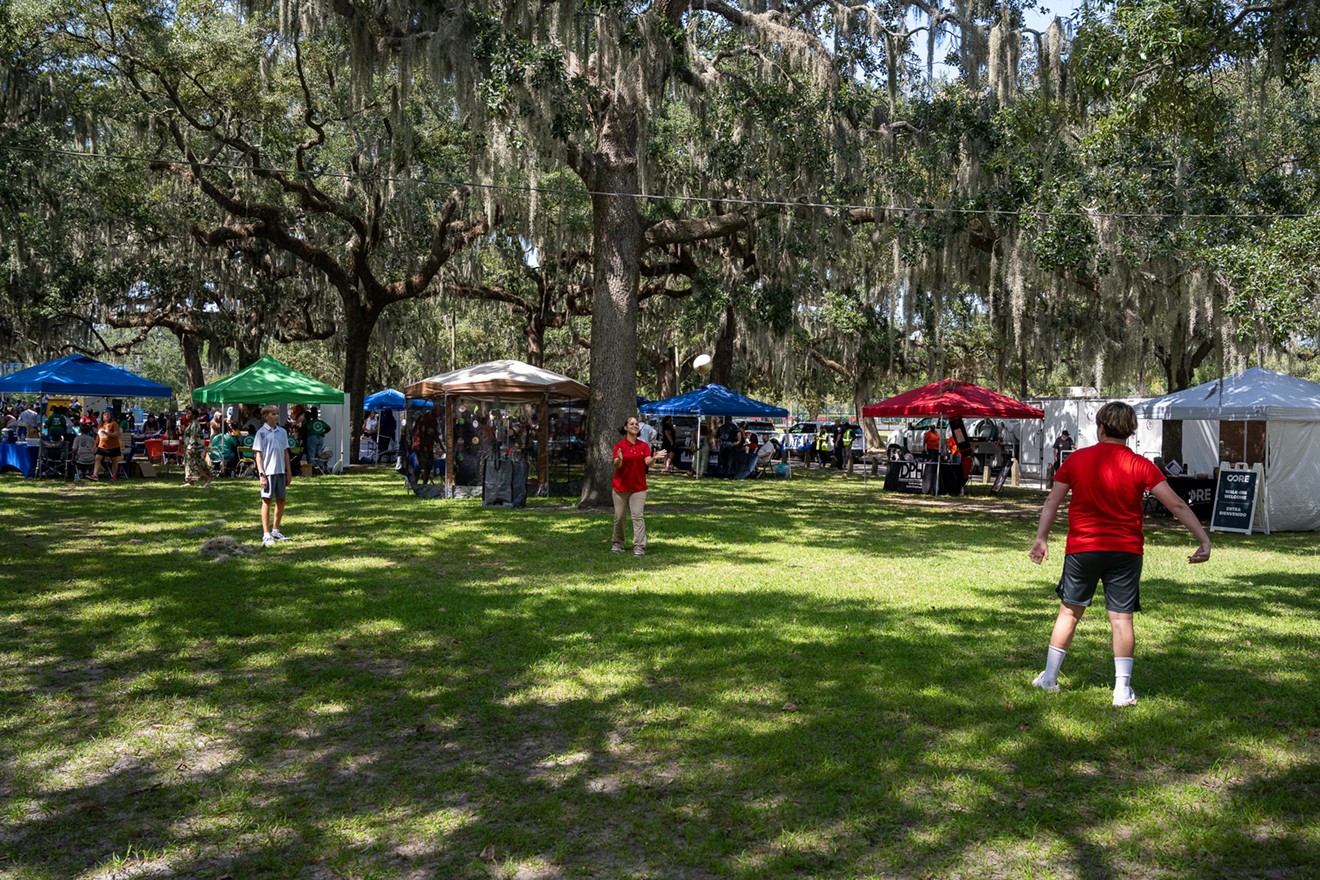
(954, 400)
(949, 397)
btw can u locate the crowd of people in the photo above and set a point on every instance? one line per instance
(214, 442)
(832, 445)
(736, 453)
(100, 443)
(97, 441)
(478, 436)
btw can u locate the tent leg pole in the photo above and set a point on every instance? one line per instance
(543, 449)
(1040, 456)
(450, 446)
(696, 453)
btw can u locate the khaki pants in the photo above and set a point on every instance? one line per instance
(625, 504)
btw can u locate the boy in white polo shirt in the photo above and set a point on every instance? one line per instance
(270, 451)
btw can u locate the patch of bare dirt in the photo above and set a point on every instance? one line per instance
(222, 548)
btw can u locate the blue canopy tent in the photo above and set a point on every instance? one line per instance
(713, 400)
(73, 375)
(391, 399)
(77, 374)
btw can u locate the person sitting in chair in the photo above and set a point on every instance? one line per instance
(84, 453)
(767, 452)
(225, 448)
(57, 425)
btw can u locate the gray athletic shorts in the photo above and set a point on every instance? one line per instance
(275, 487)
(1120, 573)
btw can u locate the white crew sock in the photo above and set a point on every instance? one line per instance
(1122, 676)
(1053, 660)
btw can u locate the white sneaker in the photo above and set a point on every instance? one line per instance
(268, 540)
(1125, 698)
(1039, 682)
(616, 549)
(278, 535)
(639, 552)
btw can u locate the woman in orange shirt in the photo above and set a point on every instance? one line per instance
(108, 446)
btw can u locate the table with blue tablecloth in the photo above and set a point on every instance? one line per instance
(20, 457)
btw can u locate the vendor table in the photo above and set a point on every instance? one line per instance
(20, 457)
(740, 464)
(925, 477)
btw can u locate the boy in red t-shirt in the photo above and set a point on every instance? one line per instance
(1108, 482)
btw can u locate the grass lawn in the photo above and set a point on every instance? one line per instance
(806, 678)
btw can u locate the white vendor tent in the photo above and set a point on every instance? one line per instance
(1290, 409)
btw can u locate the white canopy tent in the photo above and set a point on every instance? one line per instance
(1290, 409)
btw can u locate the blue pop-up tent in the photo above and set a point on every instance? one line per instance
(714, 400)
(77, 374)
(391, 399)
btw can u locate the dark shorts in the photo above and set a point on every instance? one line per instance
(275, 486)
(1120, 573)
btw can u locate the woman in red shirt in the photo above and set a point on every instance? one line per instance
(632, 457)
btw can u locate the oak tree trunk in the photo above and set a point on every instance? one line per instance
(247, 345)
(721, 370)
(359, 322)
(191, 346)
(862, 393)
(534, 332)
(617, 250)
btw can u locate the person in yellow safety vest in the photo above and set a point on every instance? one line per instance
(844, 452)
(823, 446)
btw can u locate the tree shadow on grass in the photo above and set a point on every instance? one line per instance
(691, 765)
(321, 719)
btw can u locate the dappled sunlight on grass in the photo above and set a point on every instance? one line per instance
(801, 678)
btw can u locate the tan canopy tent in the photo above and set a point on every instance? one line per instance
(499, 381)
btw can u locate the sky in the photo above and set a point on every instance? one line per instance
(1041, 20)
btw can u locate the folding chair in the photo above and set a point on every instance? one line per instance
(215, 458)
(296, 457)
(321, 463)
(171, 453)
(247, 459)
(53, 459)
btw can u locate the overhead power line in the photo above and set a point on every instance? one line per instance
(661, 197)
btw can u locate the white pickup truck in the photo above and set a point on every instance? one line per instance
(991, 443)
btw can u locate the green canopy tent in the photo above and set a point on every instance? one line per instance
(268, 381)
